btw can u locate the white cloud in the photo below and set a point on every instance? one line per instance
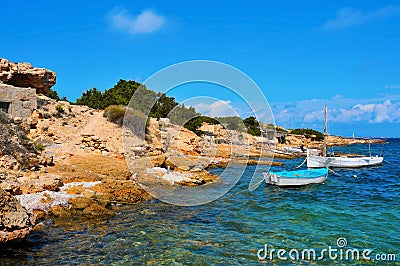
(380, 112)
(395, 86)
(313, 116)
(216, 109)
(146, 22)
(348, 17)
(341, 110)
(352, 114)
(383, 112)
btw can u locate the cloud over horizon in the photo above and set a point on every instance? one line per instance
(218, 108)
(309, 113)
(348, 17)
(146, 22)
(341, 110)
(345, 115)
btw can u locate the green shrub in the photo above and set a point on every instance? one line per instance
(252, 125)
(196, 122)
(59, 108)
(39, 146)
(115, 114)
(233, 123)
(121, 94)
(181, 114)
(217, 141)
(52, 94)
(22, 134)
(64, 99)
(92, 98)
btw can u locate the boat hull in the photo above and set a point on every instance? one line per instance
(342, 162)
(296, 178)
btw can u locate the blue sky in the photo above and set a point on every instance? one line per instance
(302, 54)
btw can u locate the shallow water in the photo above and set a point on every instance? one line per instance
(360, 205)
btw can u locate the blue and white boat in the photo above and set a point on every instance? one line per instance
(296, 178)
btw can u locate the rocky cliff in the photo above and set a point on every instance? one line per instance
(15, 221)
(16, 153)
(25, 75)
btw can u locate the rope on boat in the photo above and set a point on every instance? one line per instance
(383, 147)
(251, 188)
(396, 165)
(330, 170)
(301, 163)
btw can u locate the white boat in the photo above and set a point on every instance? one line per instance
(314, 161)
(342, 161)
(296, 178)
(293, 149)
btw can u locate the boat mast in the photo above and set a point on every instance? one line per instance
(369, 148)
(325, 131)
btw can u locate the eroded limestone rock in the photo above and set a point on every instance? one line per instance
(24, 75)
(15, 222)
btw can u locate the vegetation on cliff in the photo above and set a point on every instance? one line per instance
(115, 100)
(182, 114)
(276, 128)
(233, 123)
(92, 98)
(115, 114)
(122, 93)
(53, 94)
(252, 125)
(196, 122)
(308, 132)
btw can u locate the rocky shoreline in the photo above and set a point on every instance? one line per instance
(69, 161)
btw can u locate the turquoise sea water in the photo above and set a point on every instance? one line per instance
(364, 210)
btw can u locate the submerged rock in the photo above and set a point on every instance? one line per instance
(15, 221)
(60, 212)
(97, 211)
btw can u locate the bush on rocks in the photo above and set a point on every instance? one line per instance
(115, 114)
